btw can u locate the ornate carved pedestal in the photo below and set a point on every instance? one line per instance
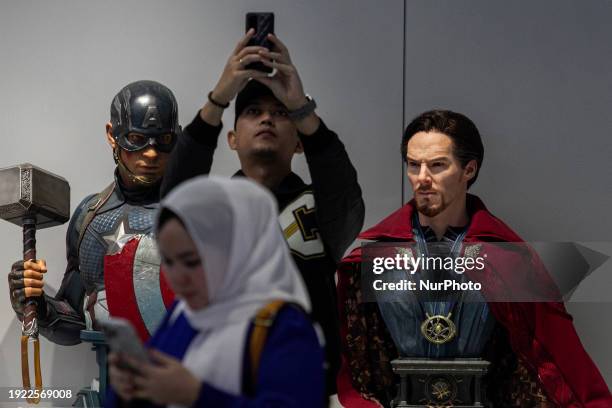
(440, 383)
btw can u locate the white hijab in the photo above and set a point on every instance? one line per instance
(234, 225)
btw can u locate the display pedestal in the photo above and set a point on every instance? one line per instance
(440, 383)
(89, 397)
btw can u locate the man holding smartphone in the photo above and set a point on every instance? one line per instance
(274, 120)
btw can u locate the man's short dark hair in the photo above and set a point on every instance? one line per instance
(467, 144)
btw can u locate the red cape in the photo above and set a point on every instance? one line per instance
(541, 333)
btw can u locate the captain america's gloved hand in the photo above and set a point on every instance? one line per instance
(26, 280)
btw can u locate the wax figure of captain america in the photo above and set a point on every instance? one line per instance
(528, 344)
(113, 264)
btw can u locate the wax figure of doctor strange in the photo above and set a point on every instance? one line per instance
(113, 264)
(530, 349)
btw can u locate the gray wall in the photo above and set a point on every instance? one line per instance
(536, 78)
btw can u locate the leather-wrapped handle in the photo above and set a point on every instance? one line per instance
(30, 326)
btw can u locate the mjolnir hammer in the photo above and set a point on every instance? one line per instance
(32, 198)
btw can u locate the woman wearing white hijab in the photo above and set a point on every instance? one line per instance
(224, 256)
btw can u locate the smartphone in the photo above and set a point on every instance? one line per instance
(263, 23)
(122, 338)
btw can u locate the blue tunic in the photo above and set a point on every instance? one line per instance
(290, 373)
(404, 312)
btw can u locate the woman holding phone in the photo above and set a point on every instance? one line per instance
(239, 334)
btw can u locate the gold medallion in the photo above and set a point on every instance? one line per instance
(438, 329)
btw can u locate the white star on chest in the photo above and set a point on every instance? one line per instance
(117, 239)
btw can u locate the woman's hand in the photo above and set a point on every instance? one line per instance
(121, 379)
(166, 381)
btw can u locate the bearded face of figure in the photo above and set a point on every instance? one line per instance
(437, 178)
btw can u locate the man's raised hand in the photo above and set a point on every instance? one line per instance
(235, 75)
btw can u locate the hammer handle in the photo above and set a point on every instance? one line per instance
(29, 253)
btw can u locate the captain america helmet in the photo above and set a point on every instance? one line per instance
(145, 113)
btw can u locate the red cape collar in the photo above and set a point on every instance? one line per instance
(483, 225)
